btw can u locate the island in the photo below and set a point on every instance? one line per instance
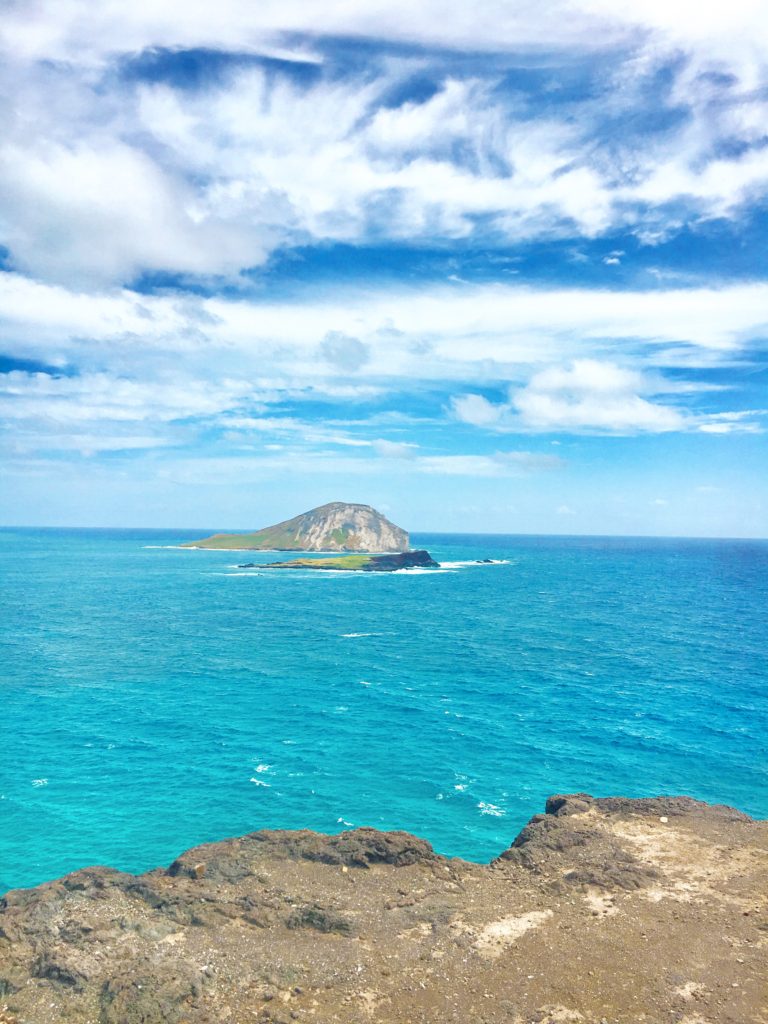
(355, 563)
(337, 526)
(607, 910)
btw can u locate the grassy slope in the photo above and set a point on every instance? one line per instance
(262, 540)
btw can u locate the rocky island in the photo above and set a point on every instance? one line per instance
(355, 563)
(337, 526)
(602, 911)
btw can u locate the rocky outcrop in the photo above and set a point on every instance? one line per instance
(602, 910)
(337, 526)
(355, 563)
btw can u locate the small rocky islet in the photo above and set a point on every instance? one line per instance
(355, 563)
(338, 526)
(602, 911)
(365, 539)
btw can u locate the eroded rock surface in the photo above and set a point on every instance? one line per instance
(607, 910)
(337, 526)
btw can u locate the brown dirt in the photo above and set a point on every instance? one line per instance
(617, 911)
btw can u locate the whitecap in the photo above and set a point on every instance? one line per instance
(342, 821)
(259, 782)
(263, 767)
(420, 571)
(170, 547)
(354, 636)
(486, 808)
(474, 561)
(39, 782)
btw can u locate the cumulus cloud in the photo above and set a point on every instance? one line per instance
(587, 395)
(477, 410)
(592, 395)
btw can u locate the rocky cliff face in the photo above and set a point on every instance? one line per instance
(342, 527)
(601, 912)
(337, 526)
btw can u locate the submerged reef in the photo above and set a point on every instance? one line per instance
(602, 910)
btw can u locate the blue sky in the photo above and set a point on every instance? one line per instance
(495, 267)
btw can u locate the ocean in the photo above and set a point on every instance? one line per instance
(155, 698)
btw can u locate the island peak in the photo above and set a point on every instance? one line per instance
(336, 526)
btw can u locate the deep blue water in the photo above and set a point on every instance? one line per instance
(154, 698)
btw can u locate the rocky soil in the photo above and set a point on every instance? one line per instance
(612, 910)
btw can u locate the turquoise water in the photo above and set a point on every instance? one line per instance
(155, 698)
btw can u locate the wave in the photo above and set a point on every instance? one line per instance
(234, 574)
(492, 809)
(418, 571)
(169, 547)
(474, 561)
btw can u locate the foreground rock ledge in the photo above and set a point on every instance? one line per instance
(606, 910)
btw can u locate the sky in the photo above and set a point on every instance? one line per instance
(494, 267)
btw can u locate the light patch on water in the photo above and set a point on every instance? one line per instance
(492, 809)
(263, 767)
(39, 782)
(259, 782)
(354, 636)
(343, 821)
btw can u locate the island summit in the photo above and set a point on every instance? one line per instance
(366, 540)
(337, 526)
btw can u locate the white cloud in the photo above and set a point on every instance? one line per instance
(477, 410)
(95, 29)
(572, 361)
(591, 395)
(96, 214)
(498, 464)
(103, 178)
(394, 449)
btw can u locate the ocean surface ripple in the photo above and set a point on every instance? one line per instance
(155, 697)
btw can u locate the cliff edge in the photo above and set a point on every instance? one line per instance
(607, 911)
(337, 526)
